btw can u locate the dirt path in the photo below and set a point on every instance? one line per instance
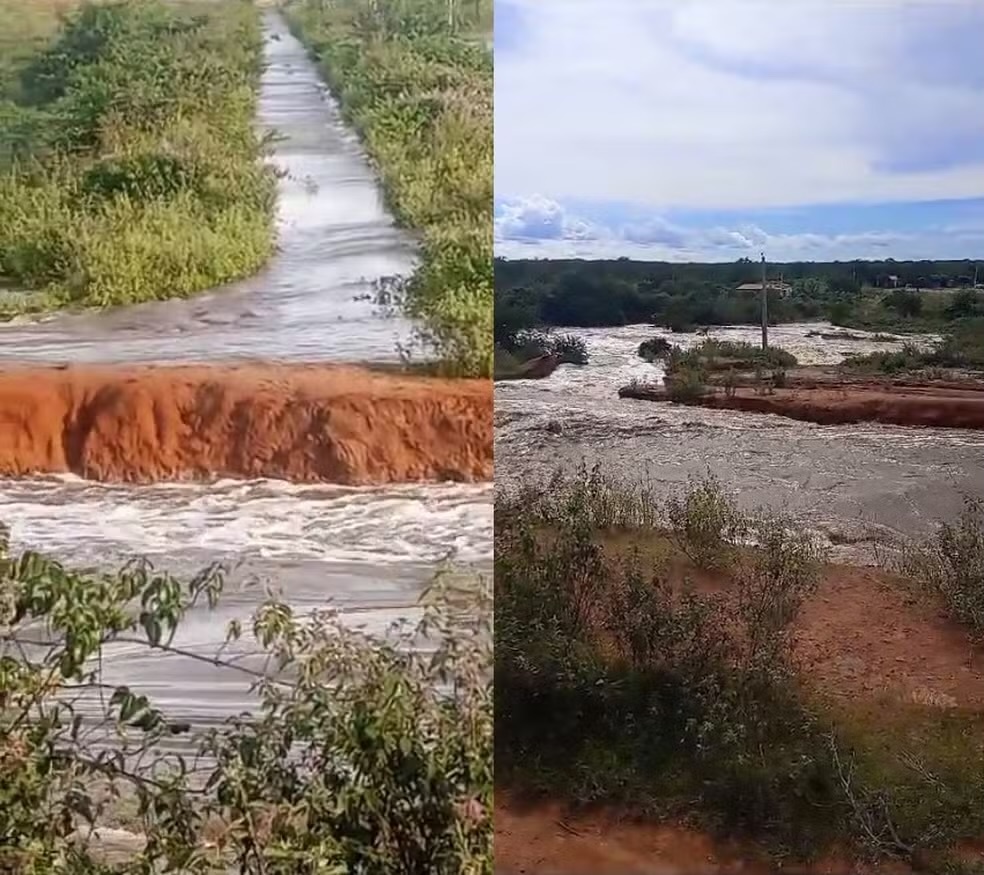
(546, 841)
(864, 635)
(304, 423)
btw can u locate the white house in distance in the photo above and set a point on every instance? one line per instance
(771, 285)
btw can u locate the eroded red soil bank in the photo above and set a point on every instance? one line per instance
(304, 423)
(938, 406)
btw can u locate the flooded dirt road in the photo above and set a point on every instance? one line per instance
(369, 551)
(861, 485)
(335, 241)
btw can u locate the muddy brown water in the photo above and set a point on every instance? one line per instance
(370, 551)
(866, 484)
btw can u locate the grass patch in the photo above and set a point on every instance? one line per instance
(129, 168)
(723, 355)
(962, 348)
(418, 89)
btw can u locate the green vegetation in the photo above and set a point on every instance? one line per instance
(725, 355)
(681, 297)
(962, 347)
(629, 674)
(516, 357)
(24, 29)
(525, 345)
(654, 349)
(951, 565)
(363, 754)
(129, 168)
(418, 88)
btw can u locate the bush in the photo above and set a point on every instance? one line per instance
(132, 171)
(686, 385)
(654, 349)
(705, 522)
(614, 684)
(419, 91)
(362, 755)
(531, 343)
(951, 564)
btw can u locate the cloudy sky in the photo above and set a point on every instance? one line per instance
(715, 129)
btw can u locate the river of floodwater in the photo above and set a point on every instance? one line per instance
(370, 552)
(862, 486)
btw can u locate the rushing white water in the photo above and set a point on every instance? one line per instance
(864, 483)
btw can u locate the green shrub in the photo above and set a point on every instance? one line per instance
(654, 349)
(531, 343)
(686, 385)
(613, 685)
(951, 564)
(363, 754)
(133, 171)
(705, 522)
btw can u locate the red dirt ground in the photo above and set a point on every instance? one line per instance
(305, 423)
(544, 841)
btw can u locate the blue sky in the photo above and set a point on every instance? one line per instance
(716, 129)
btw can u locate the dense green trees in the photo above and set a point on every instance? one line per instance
(682, 296)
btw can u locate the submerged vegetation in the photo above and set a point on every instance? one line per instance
(364, 754)
(961, 347)
(415, 80)
(645, 657)
(129, 167)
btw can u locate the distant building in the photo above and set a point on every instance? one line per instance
(782, 288)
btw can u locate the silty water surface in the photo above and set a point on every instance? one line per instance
(861, 485)
(368, 551)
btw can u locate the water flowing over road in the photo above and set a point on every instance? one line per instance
(367, 551)
(861, 485)
(311, 303)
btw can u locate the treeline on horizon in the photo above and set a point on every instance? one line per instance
(866, 294)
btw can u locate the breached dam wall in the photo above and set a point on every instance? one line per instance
(303, 423)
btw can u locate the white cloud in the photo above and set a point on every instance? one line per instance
(539, 218)
(735, 103)
(539, 227)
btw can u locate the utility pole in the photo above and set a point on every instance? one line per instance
(765, 308)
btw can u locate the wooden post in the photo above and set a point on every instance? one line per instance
(765, 308)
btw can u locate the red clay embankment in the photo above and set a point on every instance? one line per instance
(304, 423)
(934, 406)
